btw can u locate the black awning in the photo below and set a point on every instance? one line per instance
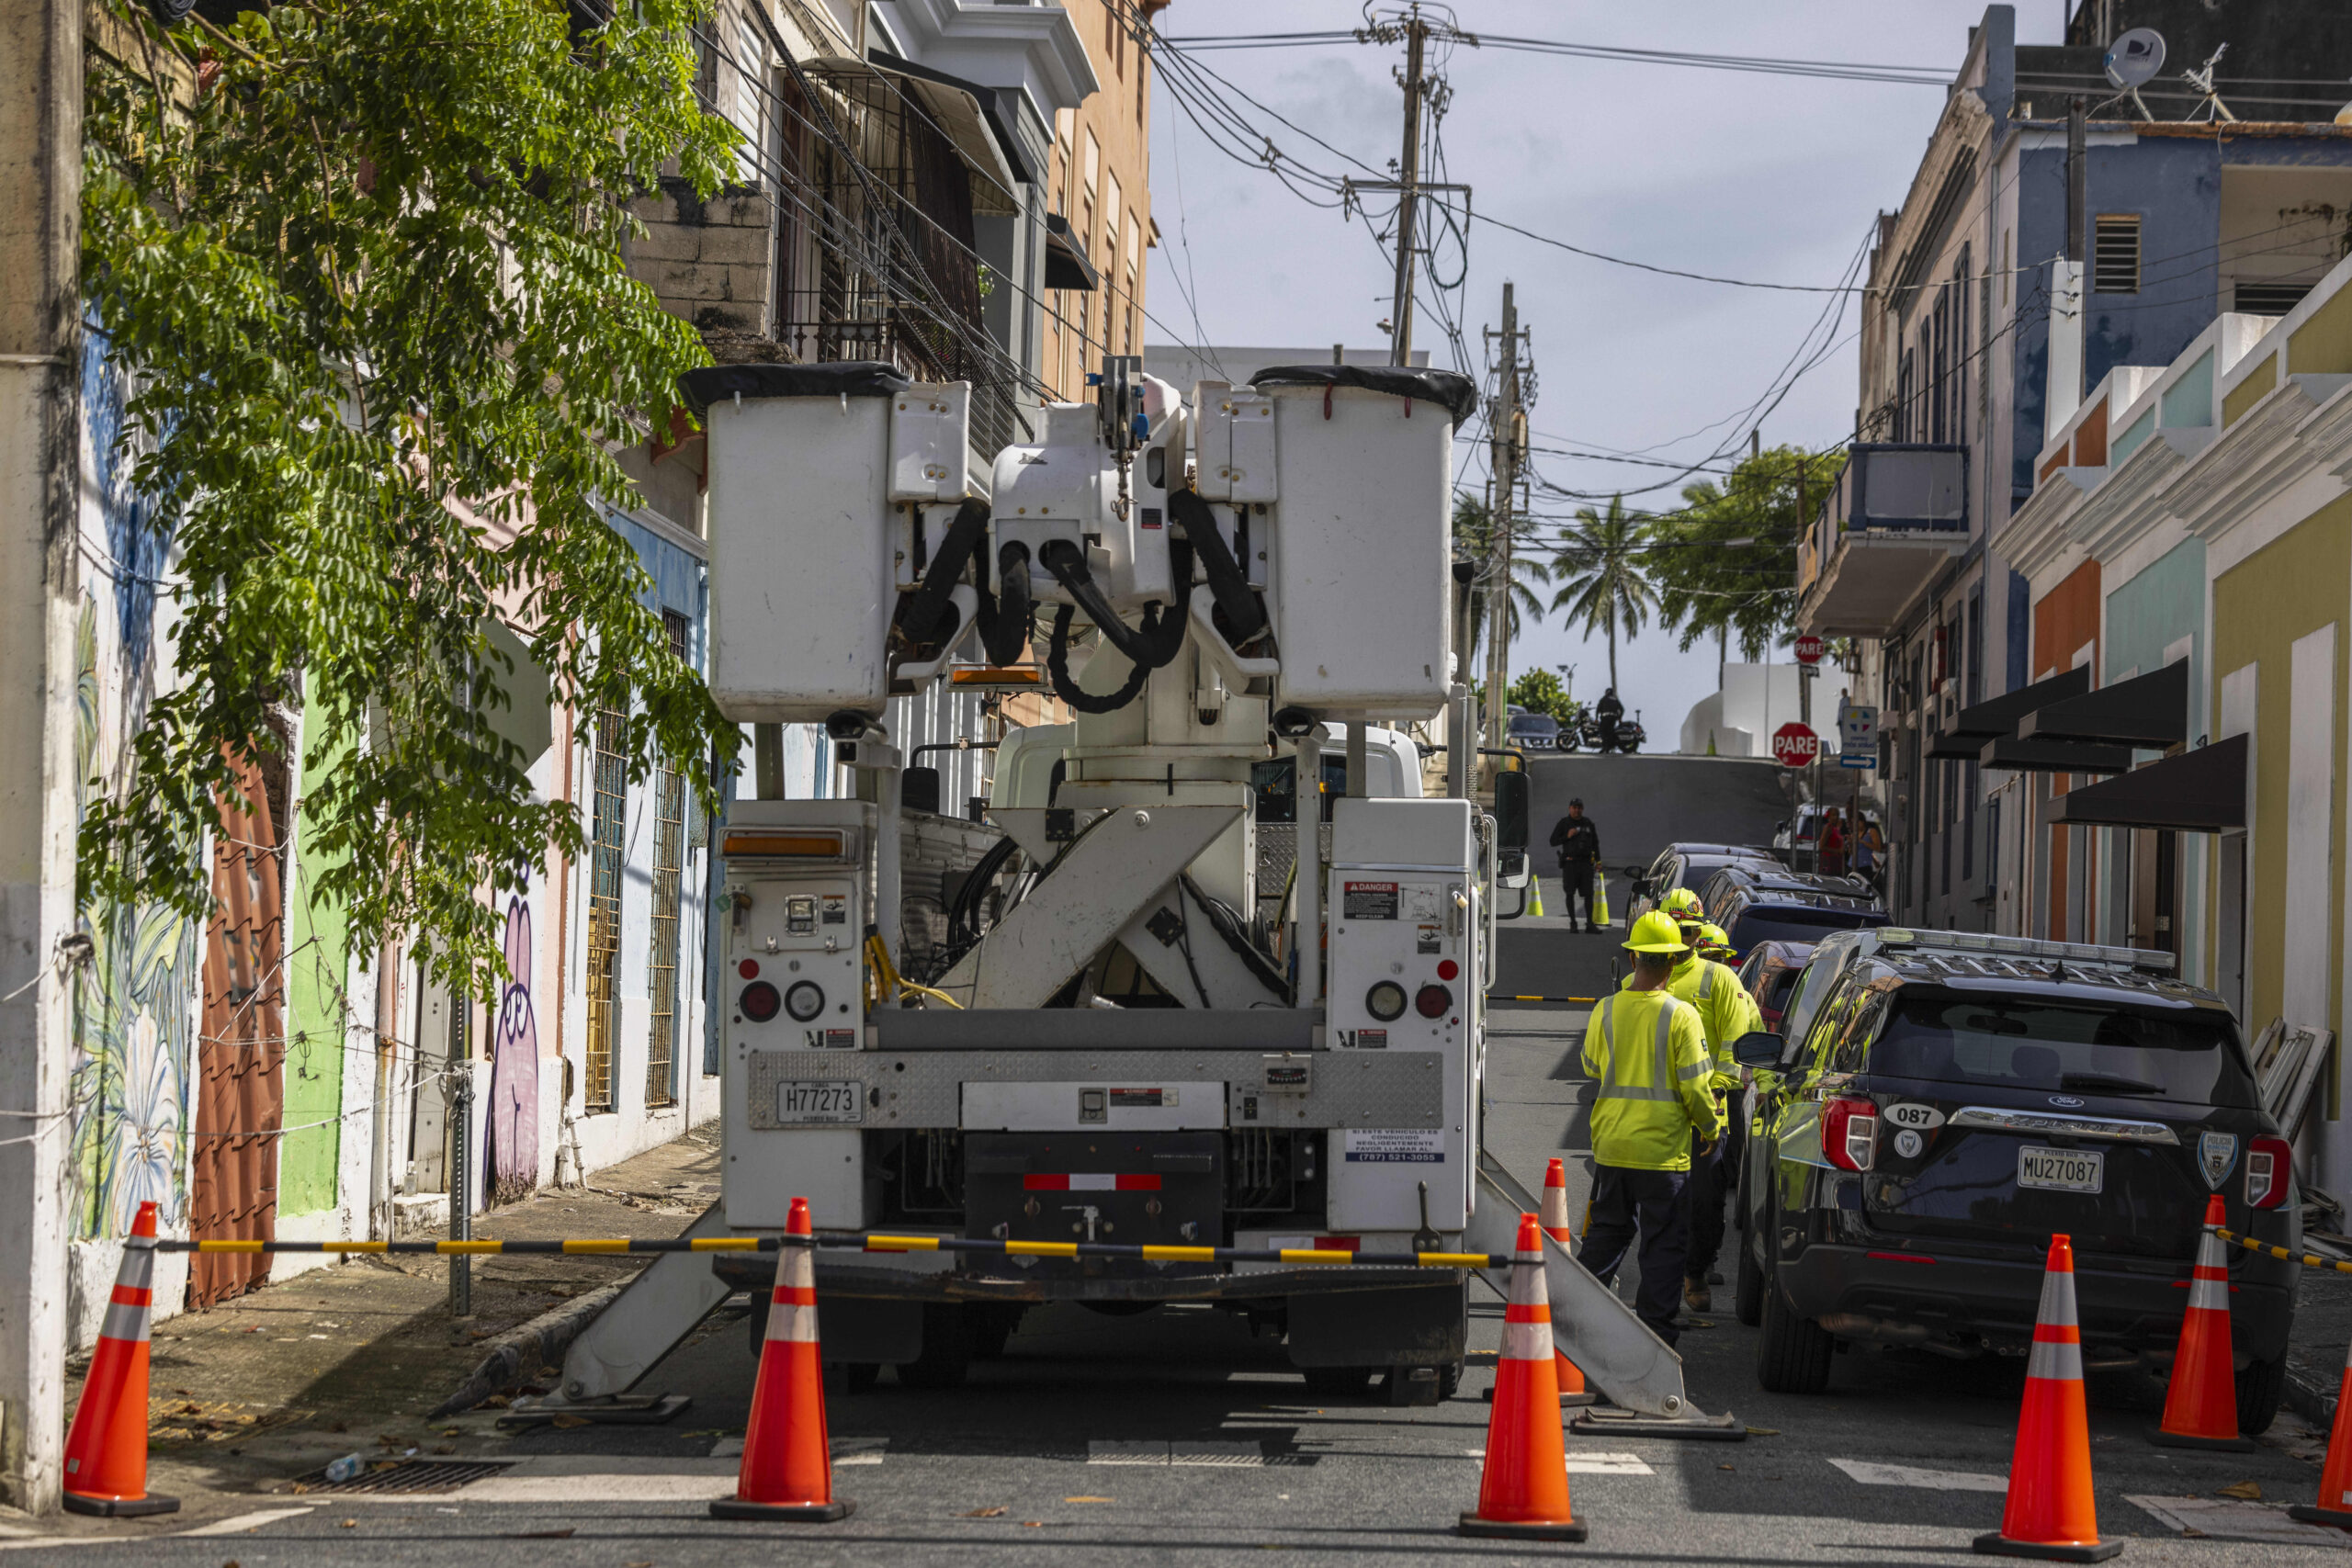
(2197, 791)
(2149, 710)
(1065, 262)
(1999, 715)
(2052, 756)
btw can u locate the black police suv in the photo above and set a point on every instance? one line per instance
(1769, 903)
(1945, 1102)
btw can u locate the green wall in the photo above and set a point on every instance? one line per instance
(318, 944)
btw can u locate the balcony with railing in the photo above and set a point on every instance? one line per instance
(1896, 515)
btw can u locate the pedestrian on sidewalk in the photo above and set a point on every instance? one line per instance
(1579, 842)
(1869, 849)
(1647, 1053)
(1832, 843)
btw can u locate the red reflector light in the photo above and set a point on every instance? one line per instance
(1448, 970)
(749, 969)
(2269, 1171)
(1431, 1001)
(1849, 1133)
(1900, 1257)
(1339, 1244)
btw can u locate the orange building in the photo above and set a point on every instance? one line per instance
(1099, 191)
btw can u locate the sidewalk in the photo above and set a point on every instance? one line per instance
(2315, 1349)
(352, 1357)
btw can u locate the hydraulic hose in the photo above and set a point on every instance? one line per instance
(1066, 561)
(1004, 615)
(921, 616)
(1067, 688)
(1244, 616)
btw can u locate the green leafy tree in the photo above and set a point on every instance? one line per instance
(362, 260)
(1539, 690)
(1727, 562)
(1474, 541)
(1604, 583)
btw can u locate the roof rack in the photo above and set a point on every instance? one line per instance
(2151, 960)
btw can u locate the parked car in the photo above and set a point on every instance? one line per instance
(1534, 731)
(1771, 973)
(1685, 866)
(1757, 903)
(1947, 1102)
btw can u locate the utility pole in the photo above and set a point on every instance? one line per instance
(1408, 176)
(40, 434)
(1505, 468)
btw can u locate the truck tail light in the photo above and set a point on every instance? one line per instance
(2269, 1171)
(1849, 1133)
(1431, 1001)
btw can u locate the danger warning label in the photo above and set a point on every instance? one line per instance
(1368, 901)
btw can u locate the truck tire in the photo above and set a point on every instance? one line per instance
(946, 1349)
(1792, 1352)
(1338, 1382)
(2261, 1385)
(1747, 1303)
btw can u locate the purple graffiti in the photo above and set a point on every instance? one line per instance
(514, 1067)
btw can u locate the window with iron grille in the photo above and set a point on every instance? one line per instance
(610, 819)
(2114, 255)
(669, 861)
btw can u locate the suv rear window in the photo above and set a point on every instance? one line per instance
(1795, 922)
(2063, 1048)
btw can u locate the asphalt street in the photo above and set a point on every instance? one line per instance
(1175, 1436)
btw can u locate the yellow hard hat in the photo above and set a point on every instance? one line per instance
(1655, 932)
(1713, 942)
(1683, 905)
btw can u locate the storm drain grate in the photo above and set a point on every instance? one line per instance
(408, 1476)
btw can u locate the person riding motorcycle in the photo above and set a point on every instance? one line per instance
(1606, 713)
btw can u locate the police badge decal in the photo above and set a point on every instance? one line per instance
(2216, 1152)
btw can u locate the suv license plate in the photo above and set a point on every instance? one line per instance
(2062, 1171)
(802, 1102)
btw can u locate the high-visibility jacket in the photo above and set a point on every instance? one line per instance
(1649, 1053)
(1725, 1010)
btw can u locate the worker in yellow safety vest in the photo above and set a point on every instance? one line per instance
(1726, 1012)
(1647, 1052)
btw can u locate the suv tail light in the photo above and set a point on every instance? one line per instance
(2269, 1171)
(1849, 1133)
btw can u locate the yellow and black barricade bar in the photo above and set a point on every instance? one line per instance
(1499, 997)
(2308, 1260)
(1322, 1257)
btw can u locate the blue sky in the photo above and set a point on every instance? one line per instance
(1768, 177)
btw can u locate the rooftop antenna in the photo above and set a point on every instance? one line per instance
(2212, 107)
(2132, 62)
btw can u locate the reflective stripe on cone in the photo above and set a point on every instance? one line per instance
(2334, 1506)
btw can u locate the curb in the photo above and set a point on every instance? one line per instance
(528, 1347)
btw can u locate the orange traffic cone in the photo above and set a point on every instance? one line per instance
(787, 1472)
(1523, 1493)
(105, 1452)
(2051, 1512)
(2202, 1404)
(1555, 1225)
(2334, 1506)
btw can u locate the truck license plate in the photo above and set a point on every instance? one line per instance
(2062, 1171)
(803, 1102)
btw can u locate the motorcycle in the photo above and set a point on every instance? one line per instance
(1630, 736)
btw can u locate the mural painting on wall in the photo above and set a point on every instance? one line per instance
(133, 1007)
(514, 1069)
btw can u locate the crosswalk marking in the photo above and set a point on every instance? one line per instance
(254, 1520)
(2227, 1519)
(1871, 1473)
(845, 1450)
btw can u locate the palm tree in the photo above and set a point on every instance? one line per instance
(1473, 540)
(1602, 583)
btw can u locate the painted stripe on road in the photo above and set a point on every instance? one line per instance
(1871, 1473)
(845, 1450)
(1580, 1462)
(237, 1523)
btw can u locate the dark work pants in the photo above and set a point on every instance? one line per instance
(1656, 1204)
(1707, 1171)
(1577, 883)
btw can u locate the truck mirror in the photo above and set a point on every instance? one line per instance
(1758, 1048)
(1510, 810)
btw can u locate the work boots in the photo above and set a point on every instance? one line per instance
(1696, 1296)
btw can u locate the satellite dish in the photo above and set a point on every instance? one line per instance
(2133, 59)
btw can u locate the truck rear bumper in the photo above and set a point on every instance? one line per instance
(754, 1272)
